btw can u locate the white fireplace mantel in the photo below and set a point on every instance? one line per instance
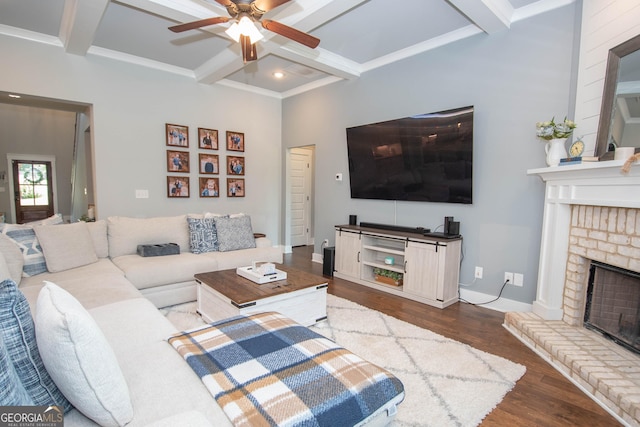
(591, 184)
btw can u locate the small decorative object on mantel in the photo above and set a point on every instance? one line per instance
(388, 277)
(556, 135)
(627, 165)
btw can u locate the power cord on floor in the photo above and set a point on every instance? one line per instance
(484, 303)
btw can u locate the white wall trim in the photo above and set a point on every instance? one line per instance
(502, 304)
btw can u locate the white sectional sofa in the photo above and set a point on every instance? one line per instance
(97, 263)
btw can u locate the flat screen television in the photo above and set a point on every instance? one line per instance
(424, 158)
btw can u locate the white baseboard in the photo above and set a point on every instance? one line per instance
(319, 258)
(287, 249)
(503, 304)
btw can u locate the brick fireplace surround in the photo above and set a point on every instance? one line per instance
(592, 212)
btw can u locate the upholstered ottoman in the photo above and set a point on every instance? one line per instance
(266, 369)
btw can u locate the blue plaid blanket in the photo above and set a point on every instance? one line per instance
(267, 370)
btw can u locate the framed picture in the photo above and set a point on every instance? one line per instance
(235, 141)
(235, 187)
(235, 165)
(208, 139)
(177, 135)
(178, 186)
(209, 163)
(209, 187)
(177, 161)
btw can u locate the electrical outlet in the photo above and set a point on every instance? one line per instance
(325, 242)
(508, 276)
(518, 279)
(478, 274)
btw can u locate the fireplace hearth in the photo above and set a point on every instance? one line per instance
(591, 213)
(613, 304)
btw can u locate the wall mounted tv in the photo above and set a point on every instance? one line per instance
(425, 158)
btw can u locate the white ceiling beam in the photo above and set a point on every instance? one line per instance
(319, 59)
(178, 10)
(490, 16)
(80, 20)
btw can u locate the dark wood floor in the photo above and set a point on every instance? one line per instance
(542, 397)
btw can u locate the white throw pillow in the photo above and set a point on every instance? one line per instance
(4, 269)
(79, 359)
(13, 257)
(66, 246)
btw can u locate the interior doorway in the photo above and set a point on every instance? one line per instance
(33, 181)
(300, 209)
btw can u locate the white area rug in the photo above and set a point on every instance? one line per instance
(447, 383)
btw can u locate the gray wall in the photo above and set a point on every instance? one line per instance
(130, 106)
(513, 79)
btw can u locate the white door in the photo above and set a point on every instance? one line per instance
(300, 197)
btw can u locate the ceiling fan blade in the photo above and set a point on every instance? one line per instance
(291, 33)
(249, 52)
(198, 24)
(267, 5)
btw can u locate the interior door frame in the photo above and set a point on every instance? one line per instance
(287, 208)
(35, 158)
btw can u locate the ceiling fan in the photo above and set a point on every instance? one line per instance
(245, 13)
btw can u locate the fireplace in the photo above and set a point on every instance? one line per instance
(591, 215)
(613, 304)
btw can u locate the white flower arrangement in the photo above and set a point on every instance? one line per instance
(551, 130)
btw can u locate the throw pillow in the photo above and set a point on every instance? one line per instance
(52, 220)
(24, 236)
(202, 235)
(79, 358)
(18, 333)
(66, 246)
(234, 233)
(4, 268)
(13, 257)
(12, 392)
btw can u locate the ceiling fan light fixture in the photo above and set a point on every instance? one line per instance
(245, 27)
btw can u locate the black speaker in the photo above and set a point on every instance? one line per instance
(328, 261)
(454, 228)
(447, 221)
(353, 219)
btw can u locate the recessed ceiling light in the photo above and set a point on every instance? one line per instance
(11, 95)
(278, 74)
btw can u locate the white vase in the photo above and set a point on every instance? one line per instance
(555, 151)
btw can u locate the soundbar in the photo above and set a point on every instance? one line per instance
(419, 230)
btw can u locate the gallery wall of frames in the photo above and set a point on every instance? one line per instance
(211, 157)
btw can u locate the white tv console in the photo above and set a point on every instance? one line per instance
(430, 265)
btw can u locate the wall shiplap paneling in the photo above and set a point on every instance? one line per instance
(604, 25)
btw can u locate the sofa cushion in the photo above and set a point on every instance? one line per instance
(66, 246)
(147, 272)
(202, 235)
(13, 257)
(234, 233)
(98, 230)
(143, 353)
(93, 285)
(18, 333)
(24, 236)
(79, 358)
(125, 234)
(12, 392)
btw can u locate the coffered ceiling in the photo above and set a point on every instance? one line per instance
(356, 35)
